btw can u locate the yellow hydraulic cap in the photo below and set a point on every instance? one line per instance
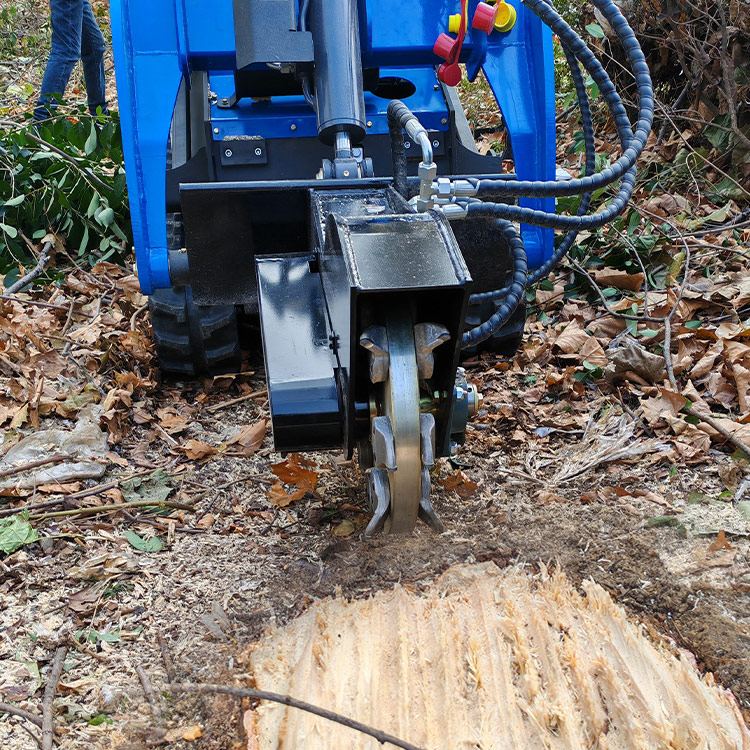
(506, 17)
(454, 23)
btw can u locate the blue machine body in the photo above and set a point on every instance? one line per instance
(159, 43)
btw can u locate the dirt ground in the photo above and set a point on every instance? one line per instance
(207, 595)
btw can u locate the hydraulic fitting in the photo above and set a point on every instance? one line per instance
(427, 173)
(484, 18)
(505, 19)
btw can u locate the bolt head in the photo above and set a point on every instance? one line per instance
(407, 144)
(258, 151)
(228, 153)
(369, 123)
(346, 173)
(292, 127)
(436, 144)
(444, 121)
(216, 131)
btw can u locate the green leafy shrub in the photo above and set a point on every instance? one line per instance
(64, 177)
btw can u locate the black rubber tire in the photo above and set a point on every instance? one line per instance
(191, 339)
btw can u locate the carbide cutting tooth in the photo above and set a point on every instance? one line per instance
(427, 337)
(383, 443)
(379, 492)
(426, 511)
(375, 340)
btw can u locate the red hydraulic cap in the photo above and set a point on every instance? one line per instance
(450, 75)
(444, 46)
(450, 50)
(484, 17)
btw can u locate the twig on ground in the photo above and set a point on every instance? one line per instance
(85, 650)
(148, 689)
(161, 526)
(723, 431)
(287, 700)
(32, 735)
(238, 400)
(44, 260)
(6, 708)
(135, 315)
(39, 303)
(166, 657)
(48, 721)
(56, 459)
(170, 440)
(90, 492)
(112, 508)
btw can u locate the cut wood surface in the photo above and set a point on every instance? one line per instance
(486, 659)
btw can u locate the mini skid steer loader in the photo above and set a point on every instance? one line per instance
(309, 162)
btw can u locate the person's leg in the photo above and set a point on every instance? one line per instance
(66, 18)
(92, 57)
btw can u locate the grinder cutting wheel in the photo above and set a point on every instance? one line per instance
(321, 174)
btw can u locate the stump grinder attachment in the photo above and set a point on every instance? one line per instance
(309, 162)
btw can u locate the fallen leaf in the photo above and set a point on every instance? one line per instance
(742, 380)
(572, 339)
(345, 528)
(195, 450)
(720, 543)
(152, 544)
(250, 438)
(83, 601)
(15, 532)
(459, 483)
(611, 277)
(206, 522)
(279, 497)
(192, 733)
(550, 497)
(294, 470)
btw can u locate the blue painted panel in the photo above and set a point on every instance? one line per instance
(156, 42)
(148, 78)
(520, 70)
(274, 119)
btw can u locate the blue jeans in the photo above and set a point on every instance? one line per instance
(75, 36)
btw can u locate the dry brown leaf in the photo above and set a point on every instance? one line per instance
(295, 470)
(192, 733)
(345, 528)
(676, 401)
(572, 338)
(249, 439)
(20, 417)
(195, 450)
(742, 381)
(550, 497)
(460, 484)
(631, 282)
(593, 353)
(720, 543)
(206, 522)
(279, 497)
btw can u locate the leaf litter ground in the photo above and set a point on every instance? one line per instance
(555, 470)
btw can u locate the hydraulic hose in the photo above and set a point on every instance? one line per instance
(633, 142)
(587, 125)
(515, 294)
(398, 151)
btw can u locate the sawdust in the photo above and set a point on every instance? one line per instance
(486, 659)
